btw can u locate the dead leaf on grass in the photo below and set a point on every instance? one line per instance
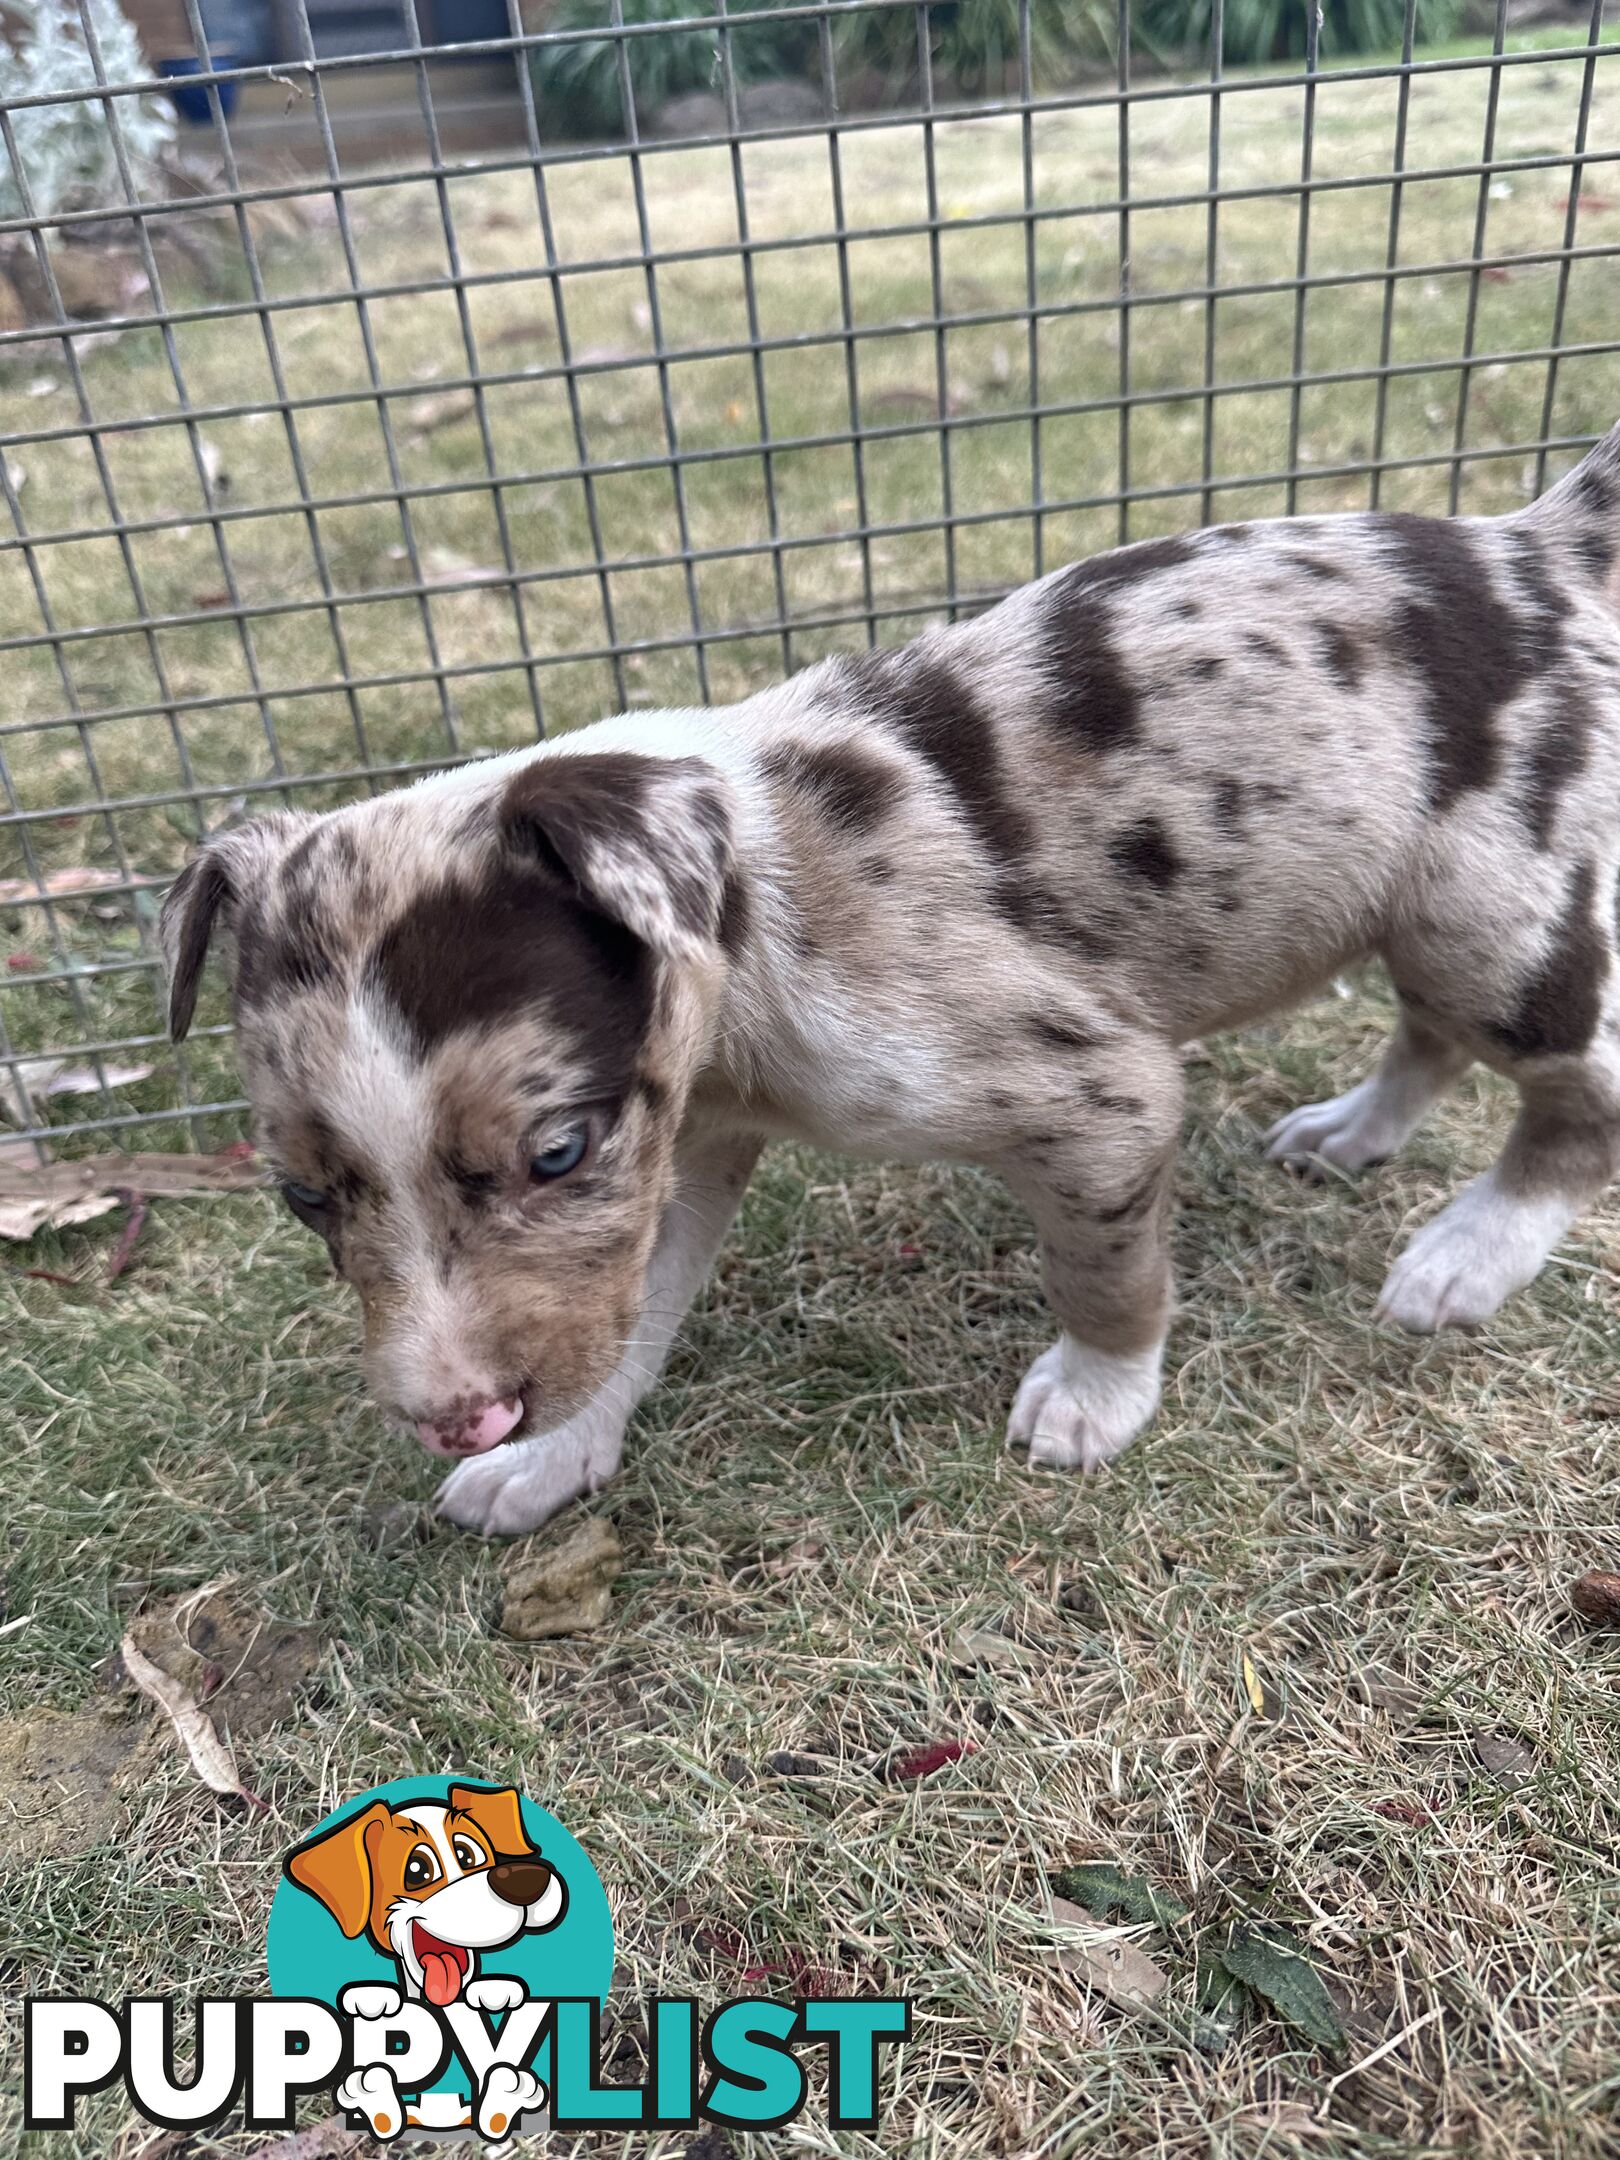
(40, 1196)
(209, 1756)
(65, 884)
(532, 330)
(985, 1646)
(426, 415)
(36, 1080)
(252, 1670)
(1505, 1759)
(1105, 1959)
(1596, 1597)
(908, 1764)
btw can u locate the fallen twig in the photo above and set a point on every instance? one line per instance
(35, 1197)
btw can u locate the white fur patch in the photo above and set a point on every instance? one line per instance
(1078, 1408)
(1349, 1131)
(1478, 1251)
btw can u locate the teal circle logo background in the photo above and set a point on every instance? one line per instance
(310, 1955)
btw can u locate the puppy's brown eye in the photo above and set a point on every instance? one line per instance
(420, 1869)
(565, 1153)
(467, 1854)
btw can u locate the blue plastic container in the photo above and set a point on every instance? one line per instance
(191, 100)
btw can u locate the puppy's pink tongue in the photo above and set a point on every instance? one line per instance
(473, 1435)
(441, 1977)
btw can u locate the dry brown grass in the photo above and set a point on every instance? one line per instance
(814, 1508)
(818, 1503)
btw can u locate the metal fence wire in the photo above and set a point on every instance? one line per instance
(380, 424)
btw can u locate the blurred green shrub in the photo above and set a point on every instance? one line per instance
(579, 86)
(1260, 30)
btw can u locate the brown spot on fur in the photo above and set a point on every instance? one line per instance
(1130, 565)
(476, 1187)
(290, 953)
(736, 915)
(851, 789)
(1060, 1034)
(571, 813)
(1092, 700)
(1558, 1007)
(466, 957)
(1137, 1201)
(1341, 655)
(1226, 804)
(1145, 850)
(934, 711)
(1556, 757)
(1469, 651)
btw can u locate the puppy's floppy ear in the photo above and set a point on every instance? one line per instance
(645, 840)
(498, 1814)
(210, 886)
(336, 1867)
(190, 907)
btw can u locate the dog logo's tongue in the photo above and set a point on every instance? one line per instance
(443, 1965)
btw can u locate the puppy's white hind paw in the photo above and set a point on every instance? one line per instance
(1349, 1131)
(1458, 1269)
(507, 2096)
(372, 2093)
(1078, 1408)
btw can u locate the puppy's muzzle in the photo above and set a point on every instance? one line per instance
(473, 1430)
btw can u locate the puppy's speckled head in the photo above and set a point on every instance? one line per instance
(468, 1015)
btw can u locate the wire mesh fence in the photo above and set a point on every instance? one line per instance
(379, 424)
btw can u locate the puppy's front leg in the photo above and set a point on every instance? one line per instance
(1099, 1192)
(517, 1488)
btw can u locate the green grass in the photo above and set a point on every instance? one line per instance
(704, 304)
(817, 1503)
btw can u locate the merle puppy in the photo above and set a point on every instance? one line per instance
(514, 1036)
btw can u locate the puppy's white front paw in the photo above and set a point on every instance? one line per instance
(508, 2094)
(1078, 1408)
(372, 2093)
(369, 1999)
(516, 1488)
(1349, 1131)
(495, 1992)
(1459, 1268)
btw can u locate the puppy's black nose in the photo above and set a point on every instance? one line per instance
(519, 1882)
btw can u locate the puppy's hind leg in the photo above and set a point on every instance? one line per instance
(1099, 1192)
(1375, 1119)
(1559, 1038)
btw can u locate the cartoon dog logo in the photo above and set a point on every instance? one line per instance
(433, 1885)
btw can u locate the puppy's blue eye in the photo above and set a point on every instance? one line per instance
(303, 1197)
(565, 1153)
